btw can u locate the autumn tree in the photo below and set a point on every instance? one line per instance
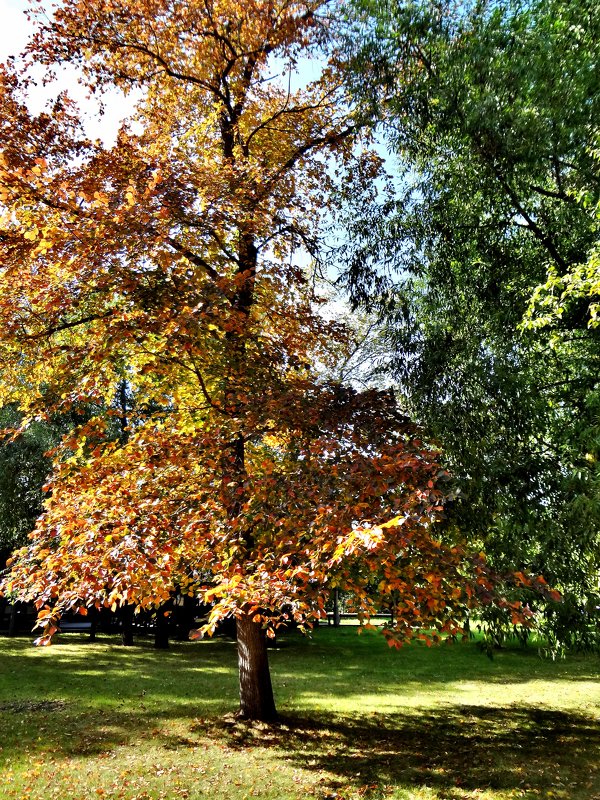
(166, 263)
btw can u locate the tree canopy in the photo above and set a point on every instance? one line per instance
(167, 263)
(492, 108)
(24, 469)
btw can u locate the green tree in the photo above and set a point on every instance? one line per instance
(26, 458)
(24, 469)
(492, 109)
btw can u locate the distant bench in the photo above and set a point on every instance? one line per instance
(66, 626)
(330, 618)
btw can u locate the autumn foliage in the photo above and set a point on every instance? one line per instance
(168, 261)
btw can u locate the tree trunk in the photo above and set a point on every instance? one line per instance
(256, 691)
(127, 625)
(184, 613)
(336, 608)
(3, 609)
(93, 615)
(163, 623)
(12, 620)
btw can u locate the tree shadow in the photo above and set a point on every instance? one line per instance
(451, 749)
(336, 656)
(84, 704)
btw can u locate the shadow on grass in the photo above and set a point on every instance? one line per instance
(451, 749)
(83, 701)
(78, 699)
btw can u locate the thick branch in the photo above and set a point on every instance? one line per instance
(64, 326)
(172, 73)
(557, 195)
(194, 259)
(312, 144)
(204, 389)
(532, 225)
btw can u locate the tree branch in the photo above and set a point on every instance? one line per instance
(64, 326)
(194, 259)
(312, 144)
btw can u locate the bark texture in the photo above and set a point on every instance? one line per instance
(256, 691)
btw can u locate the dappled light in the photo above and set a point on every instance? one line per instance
(300, 400)
(356, 717)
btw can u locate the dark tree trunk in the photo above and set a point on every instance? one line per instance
(336, 608)
(161, 632)
(12, 620)
(93, 615)
(256, 691)
(184, 614)
(127, 625)
(3, 608)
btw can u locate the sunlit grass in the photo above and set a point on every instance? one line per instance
(82, 720)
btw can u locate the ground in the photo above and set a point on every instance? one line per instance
(82, 720)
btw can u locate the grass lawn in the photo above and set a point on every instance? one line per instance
(81, 720)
